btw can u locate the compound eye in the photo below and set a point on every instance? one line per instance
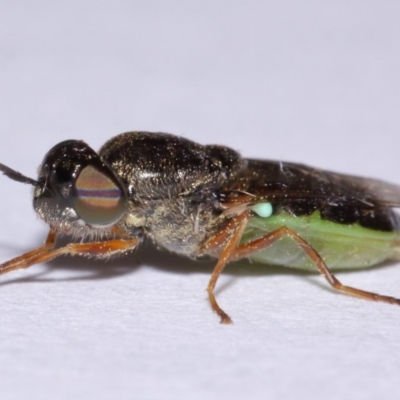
(98, 199)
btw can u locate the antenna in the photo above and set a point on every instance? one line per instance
(16, 176)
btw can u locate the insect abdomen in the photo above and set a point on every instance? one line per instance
(341, 246)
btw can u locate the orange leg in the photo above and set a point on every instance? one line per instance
(246, 249)
(47, 252)
(228, 239)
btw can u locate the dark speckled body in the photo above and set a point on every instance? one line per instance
(177, 189)
(174, 186)
(180, 193)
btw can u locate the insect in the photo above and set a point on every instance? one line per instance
(207, 200)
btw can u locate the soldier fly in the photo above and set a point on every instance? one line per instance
(200, 200)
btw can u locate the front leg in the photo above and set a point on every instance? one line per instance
(101, 249)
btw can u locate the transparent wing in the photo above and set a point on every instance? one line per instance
(384, 193)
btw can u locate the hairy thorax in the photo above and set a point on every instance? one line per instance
(177, 224)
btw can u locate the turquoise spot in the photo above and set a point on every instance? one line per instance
(263, 210)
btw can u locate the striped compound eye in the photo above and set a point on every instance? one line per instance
(98, 199)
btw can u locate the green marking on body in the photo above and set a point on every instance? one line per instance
(341, 246)
(263, 210)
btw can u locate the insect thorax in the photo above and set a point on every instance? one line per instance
(178, 225)
(173, 186)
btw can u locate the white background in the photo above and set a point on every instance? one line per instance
(313, 82)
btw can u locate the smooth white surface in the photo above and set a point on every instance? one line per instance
(314, 82)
